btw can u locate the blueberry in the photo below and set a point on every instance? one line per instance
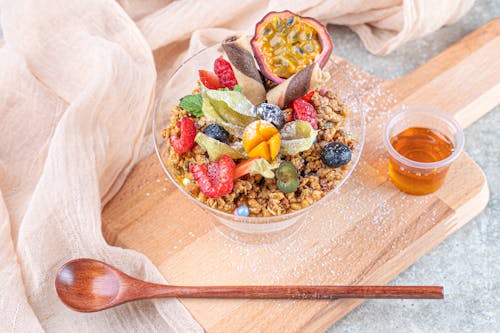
(217, 132)
(271, 113)
(335, 154)
(287, 178)
(242, 211)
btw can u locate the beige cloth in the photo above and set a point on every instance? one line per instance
(77, 85)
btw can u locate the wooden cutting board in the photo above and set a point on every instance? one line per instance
(367, 235)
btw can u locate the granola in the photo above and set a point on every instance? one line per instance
(262, 195)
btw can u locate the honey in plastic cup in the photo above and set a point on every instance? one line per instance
(422, 142)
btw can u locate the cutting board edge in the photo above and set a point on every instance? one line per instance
(483, 193)
(324, 320)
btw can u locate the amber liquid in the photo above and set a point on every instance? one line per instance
(420, 145)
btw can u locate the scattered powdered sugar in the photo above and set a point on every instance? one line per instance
(348, 235)
(363, 225)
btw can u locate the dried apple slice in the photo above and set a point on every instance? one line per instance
(297, 136)
(215, 148)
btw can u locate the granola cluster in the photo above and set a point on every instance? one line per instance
(261, 195)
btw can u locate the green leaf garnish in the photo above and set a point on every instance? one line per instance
(193, 104)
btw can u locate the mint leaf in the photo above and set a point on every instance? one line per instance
(192, 103)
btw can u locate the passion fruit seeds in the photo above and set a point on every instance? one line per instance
(285, 43)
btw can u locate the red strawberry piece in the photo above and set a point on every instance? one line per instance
(216, 178)
(243, 168)
(307, 97)
(185, 141)
(224, 72)
(209, 79)
(303, 110)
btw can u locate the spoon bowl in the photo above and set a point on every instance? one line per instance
(84, 283)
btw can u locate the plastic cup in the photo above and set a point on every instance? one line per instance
(420, 178)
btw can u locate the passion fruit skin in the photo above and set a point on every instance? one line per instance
(324, 40)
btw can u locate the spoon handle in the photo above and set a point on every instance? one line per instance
(301, 292)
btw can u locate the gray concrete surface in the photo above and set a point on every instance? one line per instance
(468, 262)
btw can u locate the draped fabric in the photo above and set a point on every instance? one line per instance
(78, 82)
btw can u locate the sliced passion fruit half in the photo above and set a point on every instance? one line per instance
(285, 43)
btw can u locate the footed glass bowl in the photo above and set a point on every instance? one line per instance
(253, 229)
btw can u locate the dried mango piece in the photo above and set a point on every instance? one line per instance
(261, 139)
(261, 150)
(274, 144)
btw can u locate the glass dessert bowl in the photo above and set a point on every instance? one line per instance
(255, 229)
(273, 130)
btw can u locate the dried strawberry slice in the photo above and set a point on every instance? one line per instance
(215, 179)
(307, 97)
(225, 73)
(209, 79)
(303, 110)
(185, 141)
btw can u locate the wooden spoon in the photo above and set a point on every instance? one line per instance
(89, 285)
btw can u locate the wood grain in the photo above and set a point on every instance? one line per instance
(367, 235)
(89, 285)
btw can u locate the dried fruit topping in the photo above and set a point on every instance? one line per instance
(271, 113)
(297, 136)
(285, 43)
(209, 79)
(261, 139)
(215, 148)
(288, 113)
(229, 109)
(243, 168)
(224, 72)
(216, 178)
(335, 154)
(256, 166)
(287, 178)
(217, 132)
(307, 97)
(303, 110)
(185, 141)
